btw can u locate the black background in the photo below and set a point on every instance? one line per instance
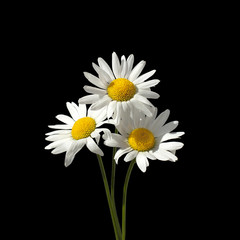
(55, 46)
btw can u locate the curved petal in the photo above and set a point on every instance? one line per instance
(73, 110)
(116, 65)
(60, 126)
(95, 80)
(130, 61)
(144, 77)
(124, 67)
(116, 140)
(105, 67)
(57, 143)
(57, 137)
(62, 148)
(130, 156)
(111, 108)
(159, 121)
(173, 135)
(147, 84)
(65, 119)
(93, 147)
(82, 110)
(94, 90)
(103, 76)
(75, 147)
(89, 99)
(141, 106)
(120, 152)
(142, 161)
(104, 101)
(171, 145)
(148, 94)
(165, 129)
(137, 71)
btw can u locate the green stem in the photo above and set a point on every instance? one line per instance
(113, 174)
(110, 204)
(113, 171)
(113, 188)
(130, 168)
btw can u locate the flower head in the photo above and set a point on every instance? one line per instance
(78, 130)
(144, 138)
(120, 88)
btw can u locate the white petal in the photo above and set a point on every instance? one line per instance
(103, 76)
(95, 80)
(171, 156)
(148, 94)
(116, 140)
(160, 155)
(171, 145)
(124, 67)
(116, 65)
(82, 110)
(65, 119)
(60, 126)
(118, 113)
(144, 77)
(149, 120)
(120, 152)
(62, 148)
(166, 128)
(136, 71)
(73, 111)
(104, 101)
(148, 84)
(93, 147)
(125, 106)
(98, 115)
(164, 155)
(141, 162)
(94, 90)
(159, 121)
(58, 132)
(149, 155)
(57, 137)
(89, 99)
(142, 107)
(130, 156)
(111, 108)
(75, 147)
(105, 67)
(130, 61)
(169, 136)
(142, 99)
(57, 143)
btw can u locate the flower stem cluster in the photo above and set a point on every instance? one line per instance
(119, 96)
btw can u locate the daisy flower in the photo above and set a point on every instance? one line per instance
(78, 130)
(120, 88)
(144, 138)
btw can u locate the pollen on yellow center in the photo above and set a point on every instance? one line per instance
(121, 89)
(141, 139)
(83, 128)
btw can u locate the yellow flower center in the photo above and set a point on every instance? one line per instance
(121, 89)
(83, 127)
(141, 139)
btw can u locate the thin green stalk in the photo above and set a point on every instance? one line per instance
(125, 187)
(113, 187)
(113, 175)
(113, 171)
(110, 204)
